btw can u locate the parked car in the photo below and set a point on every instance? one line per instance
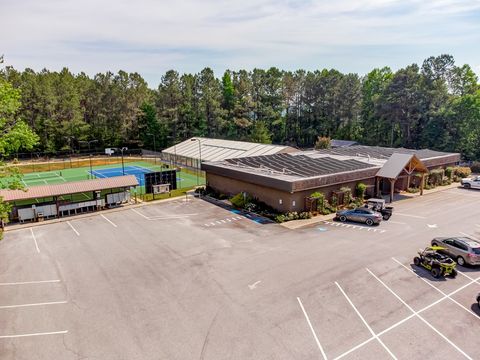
(379, 205)
(471, 183)
(478, 300)
(438, 264)
(360, 214)
(463, 250)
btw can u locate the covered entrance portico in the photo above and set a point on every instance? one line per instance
(400, 166)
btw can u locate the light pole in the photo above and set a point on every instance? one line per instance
(123, 165)
(154, 147)
(91, 171)
(200, 154)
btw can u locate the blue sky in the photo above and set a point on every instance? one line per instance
(153, 36)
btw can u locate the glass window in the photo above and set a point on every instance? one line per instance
(476, 251)
(460, 245)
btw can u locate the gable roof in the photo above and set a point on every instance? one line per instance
(398, 162)
(219, 149)
(43, 191)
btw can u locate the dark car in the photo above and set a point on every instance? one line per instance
(463, 250)
(478, 300)
(360, 214)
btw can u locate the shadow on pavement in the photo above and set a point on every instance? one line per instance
(424, 273)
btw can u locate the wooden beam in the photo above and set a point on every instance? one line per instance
(392, 187)
(377, 186)
(422, 184)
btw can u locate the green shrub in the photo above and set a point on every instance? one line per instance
(334, 201)
(347, 194)
(435, 177)
(305, 215)
(240, 201)
(361, 188)
(449, 172)
(462, 171)
(320, 198)
(326, 211)
(428, 187)
(475, 167)
(280, 218)
(413, 190)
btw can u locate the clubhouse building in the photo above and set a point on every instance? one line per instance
(285, 180)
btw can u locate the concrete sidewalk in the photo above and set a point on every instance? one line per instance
(297, 224)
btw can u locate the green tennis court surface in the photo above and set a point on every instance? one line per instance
(184, 180)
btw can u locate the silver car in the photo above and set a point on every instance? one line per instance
(462, 249)
(360, 214)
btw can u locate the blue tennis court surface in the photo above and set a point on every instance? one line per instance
(138, 171)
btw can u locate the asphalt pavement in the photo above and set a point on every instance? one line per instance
(190, 280)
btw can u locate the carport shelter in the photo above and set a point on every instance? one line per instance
(47, 202)
(401, 165)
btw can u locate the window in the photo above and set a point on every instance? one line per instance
(460, 245)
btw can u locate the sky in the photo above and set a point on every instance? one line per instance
(153, 36)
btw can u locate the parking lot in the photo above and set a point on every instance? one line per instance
(183, 280)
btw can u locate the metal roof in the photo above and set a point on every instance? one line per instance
(382, 152)
(296, 165)
(397, 162)
(43, 191)
(218, 149)
(342, 143)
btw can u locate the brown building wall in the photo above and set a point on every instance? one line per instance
(280, 200)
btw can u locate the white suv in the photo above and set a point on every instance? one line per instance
(471, 183)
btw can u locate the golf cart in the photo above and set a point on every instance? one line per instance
(438, 264)
(378, 205)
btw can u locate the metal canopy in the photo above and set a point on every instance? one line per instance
(43, 191)
(401, 162)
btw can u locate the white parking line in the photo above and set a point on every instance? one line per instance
(412, 216)
(111, 222)
(74, 230)
(337, 224)
(34, 304)
(35, 240)
(397, 222)
(33, 334)
(468, 235)
(408, 318)
(139, 213)
(365, 322)
(468, 277)
(419, 316)
(29, 282)
(312, 329)
(436, 288)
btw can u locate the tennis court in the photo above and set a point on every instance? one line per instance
(139, 168)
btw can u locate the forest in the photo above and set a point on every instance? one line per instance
(433, 105)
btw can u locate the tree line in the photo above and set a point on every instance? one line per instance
(434, 105)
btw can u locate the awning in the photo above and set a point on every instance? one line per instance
(68, 188)
(399, 162)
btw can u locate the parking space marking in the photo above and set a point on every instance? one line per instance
(468, 235)
(33, 334)
(74, 230)
(139, 213)
(312, 329)
(162, 217)
(397, 222)
(35, 240)
(34, 304)
(374, 336)
(436, 288)
(111, 222)
(419, 316)
(412, 216)
(29, 282)
(469, 277)
(350, 226)
(224, 221)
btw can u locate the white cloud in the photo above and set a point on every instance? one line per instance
(151, 36)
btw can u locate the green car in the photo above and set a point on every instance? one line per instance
(438, 264)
